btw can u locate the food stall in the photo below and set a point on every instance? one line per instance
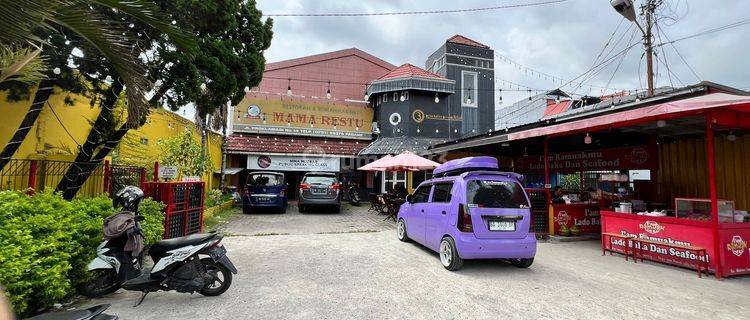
(693, 209)
(601, 183)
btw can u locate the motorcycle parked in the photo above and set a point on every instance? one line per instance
(93, 313)
(352, 193)
(194, 263)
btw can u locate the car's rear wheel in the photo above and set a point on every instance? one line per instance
(401, 231)
(522, 263)
(337, 209)
(449, 255)
(246, 209)
(301, 208)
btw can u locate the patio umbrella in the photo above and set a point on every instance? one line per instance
(405, 161)
(373, 166)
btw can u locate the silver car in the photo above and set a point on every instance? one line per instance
(319, 189)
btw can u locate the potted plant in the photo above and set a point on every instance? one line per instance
(575, 231)
(564, 231)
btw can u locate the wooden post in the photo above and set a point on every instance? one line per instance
(32, 176)
(156, 171)
(547, 185)
(107, 177)
(711, 160)
(143, 178)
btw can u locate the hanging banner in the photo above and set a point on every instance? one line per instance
(627, 158)
(293, 163)
(300, 118)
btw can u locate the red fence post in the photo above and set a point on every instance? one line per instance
(711, 160)
(156, 171)
(143, 177)
(32, 176)
(107, 177)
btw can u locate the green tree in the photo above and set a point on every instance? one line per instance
(184, 152)
(36, 23)
(229, 57)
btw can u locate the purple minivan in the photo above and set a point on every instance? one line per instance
(470, 210)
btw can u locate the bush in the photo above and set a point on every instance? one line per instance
(46, 243)
(215, 197)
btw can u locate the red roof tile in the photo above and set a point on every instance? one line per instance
(409, 70)
(466, 41)
(244, 143)
(557, 108)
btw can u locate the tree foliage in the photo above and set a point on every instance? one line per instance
(184, 152)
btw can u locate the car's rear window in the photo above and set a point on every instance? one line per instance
(265, 179)
(495, 194)
(326, 180)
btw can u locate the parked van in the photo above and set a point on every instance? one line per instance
(470, 210)
(265, 190)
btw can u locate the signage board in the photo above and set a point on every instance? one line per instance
(293, 163)
(640, 157)
(585, 217)
(302, 118)
(167, 172)
(191, 179)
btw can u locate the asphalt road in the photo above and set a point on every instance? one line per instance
(312, 272)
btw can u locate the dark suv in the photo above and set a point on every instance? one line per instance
(319, 189)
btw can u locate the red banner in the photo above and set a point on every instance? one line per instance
(627, 158)
(733, 240)
(584, 216)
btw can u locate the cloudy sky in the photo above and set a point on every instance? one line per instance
(558, 39)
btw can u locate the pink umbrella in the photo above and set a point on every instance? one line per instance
(405, 161)
(373, 166)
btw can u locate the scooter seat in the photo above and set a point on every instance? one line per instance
(163, 246)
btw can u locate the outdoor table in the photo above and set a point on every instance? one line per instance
(393, 205)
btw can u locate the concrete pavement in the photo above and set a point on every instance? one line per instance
(371, 275)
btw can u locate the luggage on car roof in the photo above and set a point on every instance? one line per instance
(459, 166)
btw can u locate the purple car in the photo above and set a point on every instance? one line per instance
(470, 210)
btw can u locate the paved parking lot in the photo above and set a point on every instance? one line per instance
(308, 272)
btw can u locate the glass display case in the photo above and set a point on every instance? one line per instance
(700, 209)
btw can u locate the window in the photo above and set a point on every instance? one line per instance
(324, 180)
(406, 95)
(395, 96)
(442, 192)
(144, 141)
(422, 194)
(392, 179)
(385, 97)
(469, 89)
(265, 180)
(380, 99)
(495, 194)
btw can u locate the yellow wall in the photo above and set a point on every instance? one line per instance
(683, 171)
(49, 140)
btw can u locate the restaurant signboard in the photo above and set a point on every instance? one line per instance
(302, 118)
(627, 158)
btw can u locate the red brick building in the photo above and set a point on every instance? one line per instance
(307, 114)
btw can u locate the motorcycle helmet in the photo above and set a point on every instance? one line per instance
(129, 198)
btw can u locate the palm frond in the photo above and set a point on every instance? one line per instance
(109, 39)
(148, 13)
(21, 64)
(19, 18)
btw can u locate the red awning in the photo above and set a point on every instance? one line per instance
(664, 111)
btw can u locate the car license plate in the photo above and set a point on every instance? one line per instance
(319, 191)
(264, 199)
(498, 225)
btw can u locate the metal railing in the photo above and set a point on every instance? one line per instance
(37, 175)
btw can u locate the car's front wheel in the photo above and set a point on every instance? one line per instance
(401, 231)
(449, 255)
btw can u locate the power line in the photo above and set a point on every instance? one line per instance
(680, 55)
(705, 32)
(404, 13)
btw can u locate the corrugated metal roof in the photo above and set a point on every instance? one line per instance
(397, 145)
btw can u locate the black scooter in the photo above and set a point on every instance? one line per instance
(194, 263)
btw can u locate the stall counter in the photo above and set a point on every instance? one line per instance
(734, 255)
(583, 215)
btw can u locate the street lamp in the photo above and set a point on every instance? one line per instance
(626, 9)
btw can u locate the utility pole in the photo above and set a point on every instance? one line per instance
(625, 8)
(648, 11)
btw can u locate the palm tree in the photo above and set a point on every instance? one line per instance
(22, 51)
